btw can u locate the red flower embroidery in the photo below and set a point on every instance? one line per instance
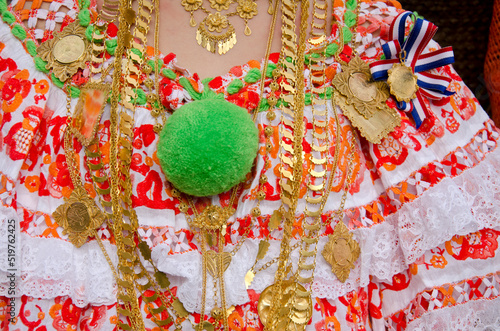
(477, 245)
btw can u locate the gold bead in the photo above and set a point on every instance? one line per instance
(274, 86)
(157, 127)
(146, 68)
(269, 146)
(149, 83)
(261, 195)
(263, 179)
(216, 313)
(155, 112)
(271, 115)
(175, 193)
(269, 130)
(255, 211)
(276, 73)
(272, 101)
(183, 207)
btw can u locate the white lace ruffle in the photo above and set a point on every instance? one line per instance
(48, 268)
(480, 315)
(456, 206)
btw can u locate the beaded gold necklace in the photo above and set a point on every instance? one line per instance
(114, 185)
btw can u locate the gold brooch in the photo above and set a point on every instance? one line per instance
(79, 217)
(66, 52)
(403, 82)
(363, 101)
(301, 311)
(341, 251)
(213, 218)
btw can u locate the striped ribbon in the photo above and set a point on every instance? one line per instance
(409, 51)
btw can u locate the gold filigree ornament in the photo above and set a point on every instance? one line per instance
(66, 52)
(402, 82)
(79, 216)
(300, 312)
(341, 252)
(363, 101)
(221, 43)
(213, 218)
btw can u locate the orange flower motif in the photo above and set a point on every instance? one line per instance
(438, 261)
(32, 183)
(42, 87)
(235, 321)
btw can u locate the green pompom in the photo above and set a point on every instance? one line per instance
(207, 147)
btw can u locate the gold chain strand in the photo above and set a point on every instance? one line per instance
(320, 143)
(124, 265)
(266, 58)
(204, 279)
(298, 138)
(291, 188)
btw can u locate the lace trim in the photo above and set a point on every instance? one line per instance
(432, 309)
(49, 268)
(481, 315)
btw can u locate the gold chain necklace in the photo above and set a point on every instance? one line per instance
(215, 33)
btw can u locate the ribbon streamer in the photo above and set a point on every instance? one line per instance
(409, 53)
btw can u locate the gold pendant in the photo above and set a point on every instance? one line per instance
(66, 52)
(213, 218)
(213, 262)
(363, 101)
(88, 112)
(341, 252)
(79, 217)
(221, 43)
(403, 82)
(301, 309)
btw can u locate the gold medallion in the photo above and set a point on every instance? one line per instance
(341, 251)
(69, 49)
(403, 82)
(66, 52)
(363, 101)
(79, 217)
(301, 311)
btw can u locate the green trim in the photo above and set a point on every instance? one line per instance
(56, 81)
(111, 46)
(19, 32)
(169, 73)
(40, 64)
(84, 17)
(350, 18)
(75, 92)
(252, 76)
(269, 70)
(351, 4)
(31, 47)
(188, 87)
(235, 86)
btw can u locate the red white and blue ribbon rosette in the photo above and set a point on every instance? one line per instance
(409, 53)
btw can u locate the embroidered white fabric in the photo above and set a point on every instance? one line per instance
(461, 205)
(480, 315)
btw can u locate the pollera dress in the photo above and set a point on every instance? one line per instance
(423, 204)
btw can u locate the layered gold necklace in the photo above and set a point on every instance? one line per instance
(286, 304)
